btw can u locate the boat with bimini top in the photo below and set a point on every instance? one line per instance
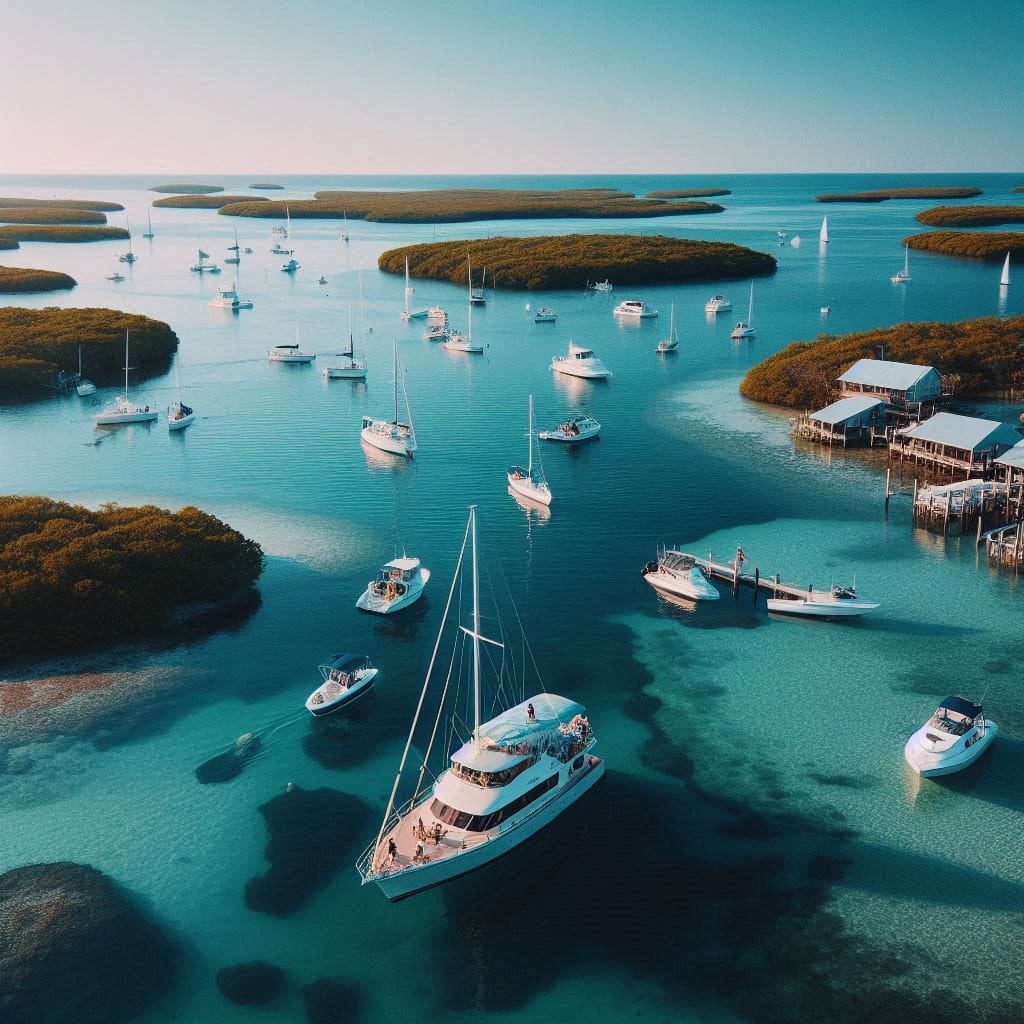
(346, 677)
(676, 573)
(397, 585)
(952, 740)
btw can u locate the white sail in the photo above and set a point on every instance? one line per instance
(1004, 278)
(823, 233)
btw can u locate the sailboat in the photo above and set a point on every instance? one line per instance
(344, 233)
(476, 295)
(392, 435)
(903, 276)
(235, 249)
(123, 410)
(84, 387)
(128, 257)
(456, 341)
(149, 226)
(293, 264)
(201, 266)
(291, 353)
(529, 483)
(1004, 277)
(823, 233)
(352, 369)
(179, 415)
(671, 343)
(407, 313)
(514, 775)
(743, 328)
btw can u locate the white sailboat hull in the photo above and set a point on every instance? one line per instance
(345, 372)
(528, 489)
(181, 423)
(586, 372)
(388, 442)
(558, 435)
(113, 419)
(462, 346)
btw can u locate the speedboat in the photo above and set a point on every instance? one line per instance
(291, 266)
(125, 411)
(579, 428)
(346, 677)
(439, 332)
(436, 315)
(321, 280)
(635, 308)
(179, 416)
(530, 482)
(954, 738)
(398, 584)
(289, 354)
(717, 304)
(678, 574)
(835, 603)
(545, 316)
(227, 298)
(580, 362)
(394, 435)
(457, 342)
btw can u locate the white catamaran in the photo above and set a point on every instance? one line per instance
(513, 776)
(530, 482)
(392, 435)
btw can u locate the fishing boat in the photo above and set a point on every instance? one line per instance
(545, 316)
(179, 415)
(407, 313)
(227, 298)
(346, 677)
(717, 304)
(83, 385)
(578, 428)
(125, 411)
(671, 343)
(745, 328)
(529, 482)
(476, 295)
(823, 233)
(351, 368)
(436, 315)
(149, 226)
(952, 740)
(439, 332)
(635, 309)
(292, 264)
(513, 776)
(600, 286)
(676, 573)
(397, 585)
(1004, 277)
(903, 276)
(115, 276)
(580, 362)
(392, 435)
(235, 249)
(834, 603)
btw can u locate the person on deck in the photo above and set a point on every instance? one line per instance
(530, 713)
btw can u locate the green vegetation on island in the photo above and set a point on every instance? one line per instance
(1019, 188)
(187, 202)
(265, 184)
(72, 576)
(187, 188)
(689, 193)
(882, 194)
(36, 343)
(974, 245)
(980, 355)
(568, 261)
(9, 243)
(970, 216)
(455, 205)
(50, 215)
(65, 204)
(22, 280)
(60, 233)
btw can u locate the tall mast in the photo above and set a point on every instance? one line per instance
(177, 375)
(476, 634)
(529, 434)
(750, 308)
(395, 419)
(351, 344)
(126, 364)
(469, 275)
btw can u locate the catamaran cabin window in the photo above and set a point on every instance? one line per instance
(485, 822)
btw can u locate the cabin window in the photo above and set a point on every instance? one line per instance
(485, 822)
(488, 779)
(578, 763)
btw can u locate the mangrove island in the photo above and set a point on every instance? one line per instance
(882, 194)
(973, 245)
(22, 281)
(265, 185)
(689, 193)
(568, 261)
(971, 216)
(187, 188)
(50, 215)
(72, 576)
(65, 204)
(465, 204)
(980, 355)
(60, 233)
(188, 202)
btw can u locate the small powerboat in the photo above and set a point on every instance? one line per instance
(678, 574)
(346, 677)
(437, 315)
(458, 342)
(836, 603)
(954, 738)
(636, 309)
(545, 316)
(439, 332)
(579, 428)
(227, 298)
(398, 584)
(717, 304)
(321, 279)
(580, 362)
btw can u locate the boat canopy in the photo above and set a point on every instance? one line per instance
(343, 663)
(962, 706)
(515, 726)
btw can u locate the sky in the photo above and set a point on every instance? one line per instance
(446, 86)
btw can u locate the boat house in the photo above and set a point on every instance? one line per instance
(849, 419)
(902, 386)
(950, 442)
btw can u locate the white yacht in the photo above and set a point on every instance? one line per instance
(125, 411)
(834, 603)
(513, 776)
(903, 276)
(439, 332)
(392, 435)
(745, 328)
(580, 362)
(227, 298)
(436, 316)
(398, 584)
(579, 428)
(545, 316)
(636, 309)
(346, 677)
(407, 313)
(671, 343)
(954, 738)
(717, 304)
(179, 415)
(351, 368)
(84, 386)
(530, 482)
(678, 574)
(289, 354)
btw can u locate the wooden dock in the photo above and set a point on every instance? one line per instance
(734, 576)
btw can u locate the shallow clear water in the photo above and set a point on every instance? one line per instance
(736, 744)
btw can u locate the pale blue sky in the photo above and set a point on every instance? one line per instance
(456, 87)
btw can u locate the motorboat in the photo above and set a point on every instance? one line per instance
(676, 573)
(545, 316)
(115, 276)
(83, 385)
(346, 677)
(952, 740)
(227, 298)
(397, 585)
(291, 266)
(289, 354)
(580, 362)
(600, 286)
(636, 309)
(834, 603)
(437, 316)
(321, 279)
(458, 342)
(530, 482)
(514, 774)
(903, 276)
(579, 428)
(439, 332)
(179, 415)
(745, 328)
(671, 343)
(825, 310)
(352, 368)
(247, 251)
(717, 304)
(394, 435)
(125, 411)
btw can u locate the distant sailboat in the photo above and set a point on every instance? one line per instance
(352, 369)
(530, 482)
(293, 264)
(823, 233)
(795, 241)
(744, 328)
(903, 276)
(123, 410)
(179, 415)
(456, 341)
(149, 226)
(84, 386)
(1004, 278)
(410, 314)
(344, 233)
(235, 249)
(392, 435)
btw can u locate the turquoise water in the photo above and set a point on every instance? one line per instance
(758, 850)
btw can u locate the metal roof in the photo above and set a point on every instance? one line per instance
(1014, 457)
(846, 408)
(967, 432)
(880, 373)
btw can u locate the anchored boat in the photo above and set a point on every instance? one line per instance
(580, 362)
(717, 304)
(346, 677)
(125, 411)
(635, 309)
(392, 435)
(677, 573)
(579, 428)
(954, 738)
(834, 603)
(529, 482)
(397, 585)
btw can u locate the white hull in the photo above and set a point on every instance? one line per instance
(566, 367)
(345, 697)
(387, 443)
(227, 304)
(539, 319)
(86, 389)
(370, 602)
(468, 348)
(114, 419)
(182, 423)
(583, 435)
(931, 765)
(345, 372)
(305, 358)
(528, 489)
(824, 609)
(418, 314)
(666, 347)
(680, 586)
(411, 880)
